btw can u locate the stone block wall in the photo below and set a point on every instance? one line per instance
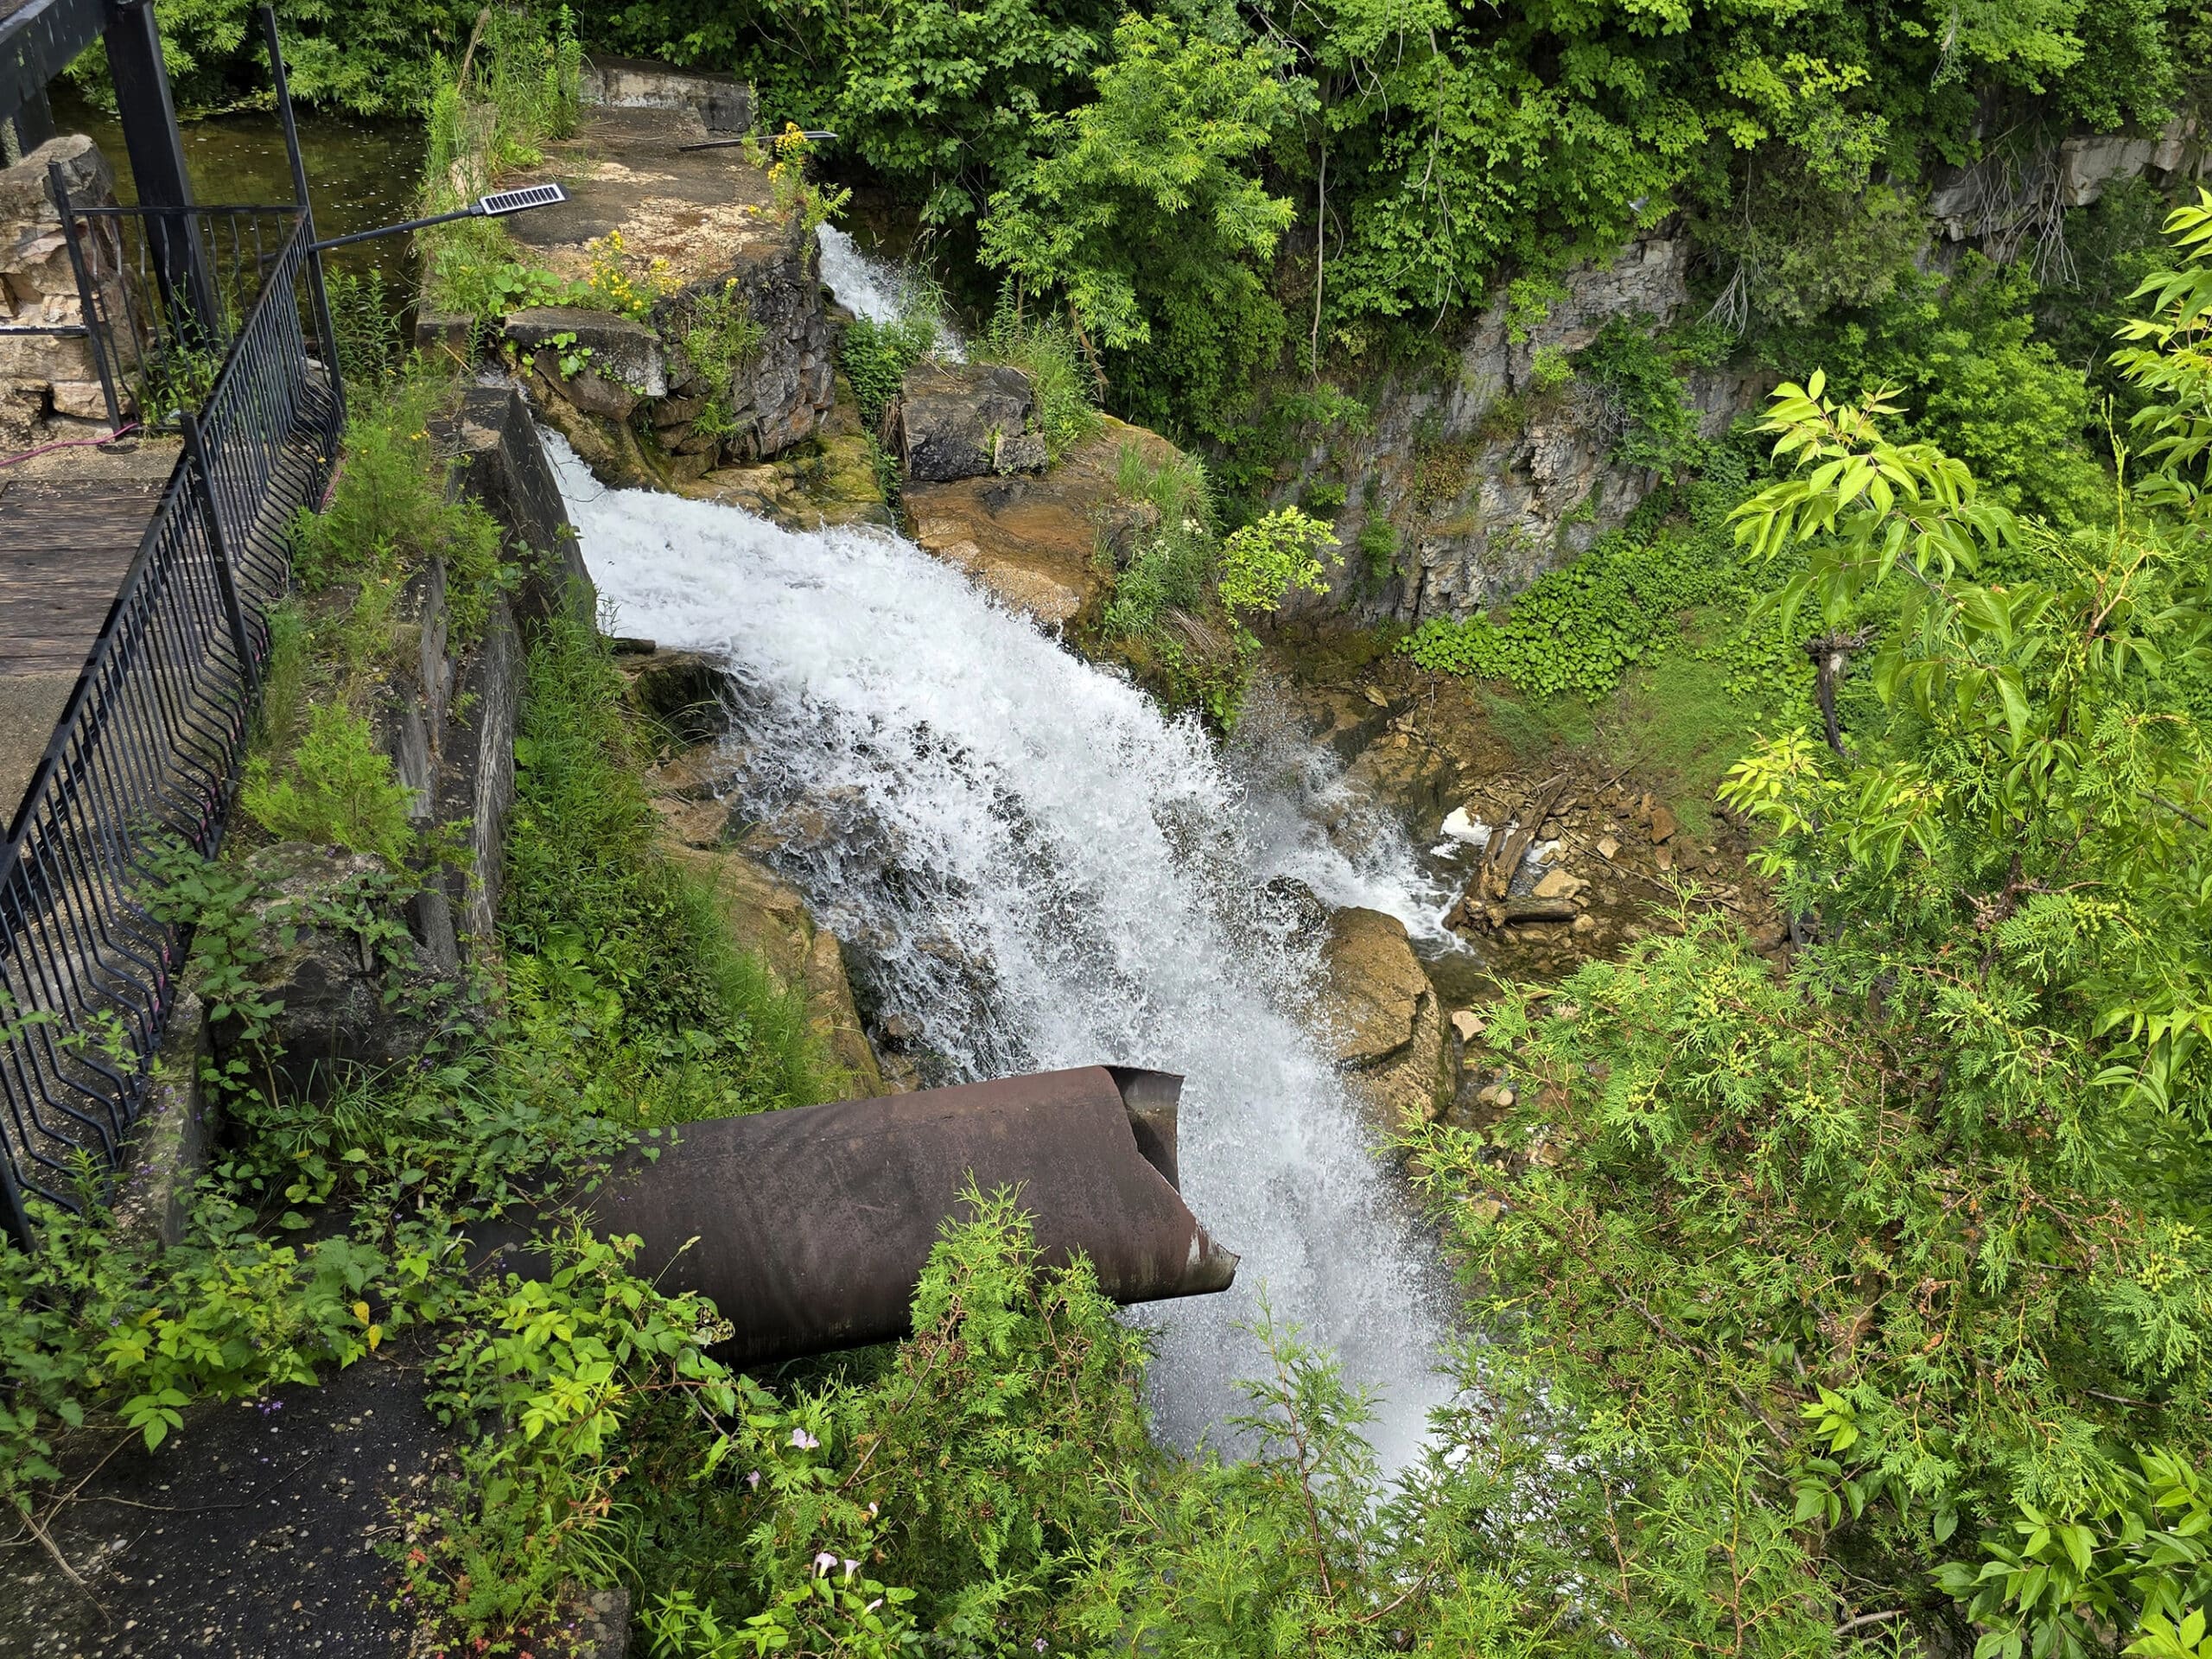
(50, 387)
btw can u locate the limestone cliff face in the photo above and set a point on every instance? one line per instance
(1487, 478)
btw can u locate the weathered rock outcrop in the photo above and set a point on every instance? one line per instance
(699, 228)
(964, 420)
(1994, 199)
(1492, 477)
(1381, 1010)
(1033, 540)
(349, 990)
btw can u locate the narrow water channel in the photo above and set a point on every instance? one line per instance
(1035, 869)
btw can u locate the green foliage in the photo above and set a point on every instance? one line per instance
(366, 321)
(2169, 366)
(1961, 355)
(608, 940)
(91, 1325)
(1578, 628)
(523, 89)
(1798, 249)
(1146, 212)
(1044, 348)
(390, 513)
(368, 60)
(1804, 1272)
(876, 357)
(2136, 1559)
(1264, 562)
(719, 336)
(336, 789)
(1638, 372)
(547, 1372)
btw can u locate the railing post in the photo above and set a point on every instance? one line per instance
(329, 335)
(150, 134)
(61, 188)
(225, 579)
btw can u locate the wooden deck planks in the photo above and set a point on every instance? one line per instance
(64, 547)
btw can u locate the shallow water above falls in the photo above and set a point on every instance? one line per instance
(1036, 869)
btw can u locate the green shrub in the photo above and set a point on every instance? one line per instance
(367, 323)
(608, 940)
(1263, 563)
(1378, 553)
(876, 357)
(390, 512)
(336, 787)
(1578, 628)
(1638, 370)
(719, 336)
(1044, 348)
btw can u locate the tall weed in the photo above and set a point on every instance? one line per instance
(1044, 348)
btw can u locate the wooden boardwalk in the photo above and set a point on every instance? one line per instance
(69, 525)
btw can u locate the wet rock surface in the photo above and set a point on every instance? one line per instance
(1612, 848)
(964, 420)
(1379, 1013)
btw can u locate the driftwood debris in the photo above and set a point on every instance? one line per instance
(1503, 856)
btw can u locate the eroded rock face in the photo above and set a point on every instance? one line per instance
(964, 420)
(1382, 1013)
(1033, 540)
(1491, 478)
(351, 989)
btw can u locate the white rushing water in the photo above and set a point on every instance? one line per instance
(880, 291)
(1036, 869)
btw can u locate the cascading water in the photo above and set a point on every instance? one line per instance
(879, 290)
(1035, 868)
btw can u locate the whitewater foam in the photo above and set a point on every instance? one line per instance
(1035, 868)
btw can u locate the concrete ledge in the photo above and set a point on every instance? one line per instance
(169, 1146)
(722, 104)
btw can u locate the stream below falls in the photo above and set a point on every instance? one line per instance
(1033, 868)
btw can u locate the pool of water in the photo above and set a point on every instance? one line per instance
(361, 174)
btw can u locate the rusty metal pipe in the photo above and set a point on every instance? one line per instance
(812, 1226)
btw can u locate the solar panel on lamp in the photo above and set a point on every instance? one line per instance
(502, 202)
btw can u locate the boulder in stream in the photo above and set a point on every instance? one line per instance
(965, 420)
(1382, 1016)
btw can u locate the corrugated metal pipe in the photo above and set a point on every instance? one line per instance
(809, 1228)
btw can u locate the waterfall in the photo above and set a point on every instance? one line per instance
(1035, 868)
(876, 289)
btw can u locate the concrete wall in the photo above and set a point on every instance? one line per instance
(448, 719)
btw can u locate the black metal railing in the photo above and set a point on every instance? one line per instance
(148, 750)
(165, 293)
